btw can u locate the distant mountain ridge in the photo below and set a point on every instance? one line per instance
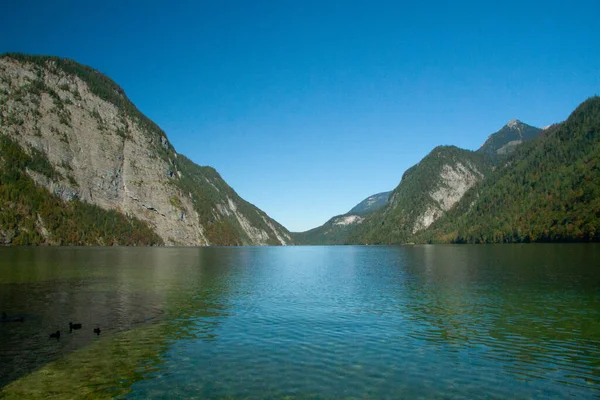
(371, 203)
(71, 131)
(337, 229)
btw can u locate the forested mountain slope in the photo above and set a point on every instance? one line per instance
(548, 190)
(426, 192)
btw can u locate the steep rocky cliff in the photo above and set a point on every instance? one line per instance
(106, 153)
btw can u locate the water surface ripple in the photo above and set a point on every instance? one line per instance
(460, 322)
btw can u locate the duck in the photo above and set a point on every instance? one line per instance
(73, 326)
(55, 335)
(97, 331)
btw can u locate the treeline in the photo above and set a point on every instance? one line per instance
(30, 215)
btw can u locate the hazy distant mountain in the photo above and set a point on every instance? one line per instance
(336, 230)
(509, 137)
(371, 203)
(80, 164)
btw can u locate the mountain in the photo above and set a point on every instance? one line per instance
(337, 229)
(82, 165)
(548, 190)
(506, 140)
(371, 203)
(426, 192)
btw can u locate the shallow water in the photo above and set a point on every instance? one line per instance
(506, 321)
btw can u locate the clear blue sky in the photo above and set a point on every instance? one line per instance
(308, 107)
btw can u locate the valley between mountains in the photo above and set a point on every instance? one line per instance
(81, 165)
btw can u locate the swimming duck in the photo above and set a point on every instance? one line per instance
(55, 335)
(97, 331)
(73, 326)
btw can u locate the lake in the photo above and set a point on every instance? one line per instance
(496, 321)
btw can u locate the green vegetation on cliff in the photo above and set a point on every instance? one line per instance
(29, 214)
(427, 191)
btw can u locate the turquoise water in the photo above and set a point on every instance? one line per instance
(502, 321)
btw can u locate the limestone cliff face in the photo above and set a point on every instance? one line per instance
(454, 181)
(108, 154)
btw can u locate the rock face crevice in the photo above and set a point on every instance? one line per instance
(103, 154)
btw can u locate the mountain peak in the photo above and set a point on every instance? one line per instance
(508, 137)
(514, 123)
